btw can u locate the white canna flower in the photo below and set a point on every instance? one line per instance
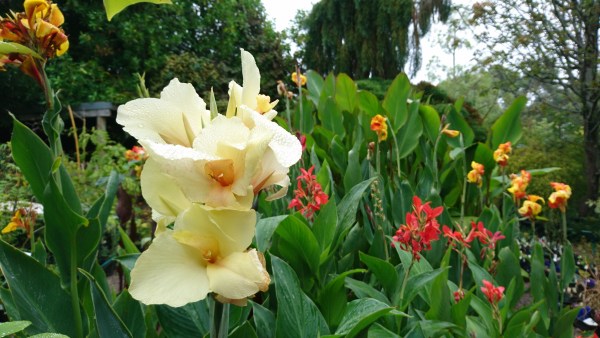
(205, 252)
(176, 118)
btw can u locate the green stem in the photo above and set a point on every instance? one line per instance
(503, 189)
(377, 160)
(299, 82)
(397, 149)
(533, 230)
(464, 192)
(287, 111)
(402, 288)
(564, 226)
(75, 292)
(436, 179)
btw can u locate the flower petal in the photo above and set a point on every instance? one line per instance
(161, 191)
(176, 118)
(239, 275)
(251, 83)
(169, 273)
(232, 229)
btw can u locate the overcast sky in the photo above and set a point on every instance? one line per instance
(283, 12)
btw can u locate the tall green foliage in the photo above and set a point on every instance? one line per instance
(369, 38)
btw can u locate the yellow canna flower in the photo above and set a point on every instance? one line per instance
(22, 219)
(558, 199)
(519, 184)
(501, 154)
(476, 174)
(531, 208)
(302, 79)
(207, 251)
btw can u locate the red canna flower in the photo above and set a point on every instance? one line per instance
(457, 237)
(493, 293)
(309, 196)
(486, 237)
(420, 230)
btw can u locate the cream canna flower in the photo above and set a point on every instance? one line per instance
(205, 252)
(221, 169)
(246, 103)
(176, 118)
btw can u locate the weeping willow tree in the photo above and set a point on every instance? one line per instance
(369, 38)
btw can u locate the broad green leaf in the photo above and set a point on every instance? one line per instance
(508, 126)
(244, 331)
(368, 103)
(518, 321)
(485, 156)
(345, 92)
(563, 328)
(265, 227)
(409, 134)
(103, 205)
(9, 328)
(567, 266)
(441, 304)
(348, 207)
(331, 117)
(379, 331)
(333, 298)
(420, 282)
(383, 270)
(63, 235)
(296, 236)
(395, 101)
(509, 269)
(191, 320)
(314, 84)
(360, 313)
(297, 315)
(108, 322)
(9, 305)
(13, 47)
(49, 335)
(128, 245)
(364, 290)
(37, 293)
(431, 121)
(458, 122)
(264, 320)
(353, 174)
(114, 7)
(327, 91)
(325, 224)
(32, 156)
(131, 313)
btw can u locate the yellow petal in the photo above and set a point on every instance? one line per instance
(239, 275)
(169, 273)
(161, 191)
(34, 6)
(56, 16)
(251, 82)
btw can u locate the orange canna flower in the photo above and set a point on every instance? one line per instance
(560, 196)
(531, 208)
(22, 219)
(476, 175)
(379, 126)
(493, 293)
(302, 79)
(501, 154)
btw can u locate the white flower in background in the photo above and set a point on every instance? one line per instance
(176, 118)
(205, 252)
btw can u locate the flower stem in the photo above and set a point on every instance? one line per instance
(402, 288)
(436, 179)
(464, 192)
(397, 149)
(564, 226)
(299, 97)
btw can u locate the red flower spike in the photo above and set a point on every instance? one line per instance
(309, 196)
(420, 230)
(492, 293)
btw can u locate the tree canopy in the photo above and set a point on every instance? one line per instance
(554, 42)
(375, 38)
(196, 41)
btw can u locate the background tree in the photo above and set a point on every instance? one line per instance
(365, 39)
(197, 41)
(554, 42)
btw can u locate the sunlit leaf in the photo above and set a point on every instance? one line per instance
(114, 7)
